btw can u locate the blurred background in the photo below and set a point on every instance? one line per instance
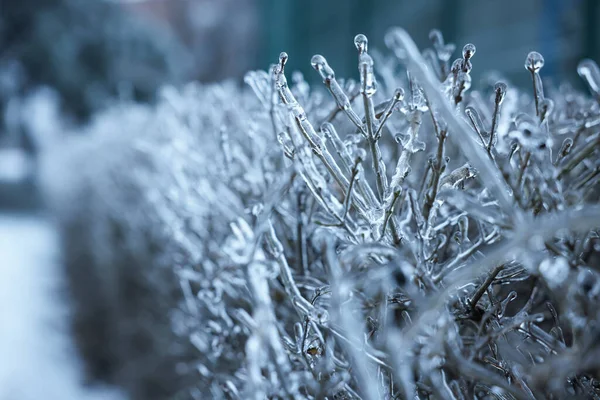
(228, 37)
(63, 60)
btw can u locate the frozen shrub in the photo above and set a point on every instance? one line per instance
(134, 223)
(401, 238)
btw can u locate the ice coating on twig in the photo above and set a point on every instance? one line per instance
(399, 41)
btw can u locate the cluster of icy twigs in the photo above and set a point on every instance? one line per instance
(409, 238)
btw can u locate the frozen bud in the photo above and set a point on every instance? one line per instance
(399, 94)
(468, 51)
(361, 42)
(500, 89)
(565, 148)
(319, 63)
(283, 57)
(534, 61)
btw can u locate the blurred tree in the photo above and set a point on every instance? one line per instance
(89, 51)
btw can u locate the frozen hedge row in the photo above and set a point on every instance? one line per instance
(402, 236)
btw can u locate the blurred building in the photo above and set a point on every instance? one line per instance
(503, 31)
(221, 35)
(229, 37)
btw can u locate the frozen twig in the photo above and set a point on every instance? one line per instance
(401, 43)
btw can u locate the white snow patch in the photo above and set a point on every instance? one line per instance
(38, 358)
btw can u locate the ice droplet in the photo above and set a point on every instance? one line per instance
(534, 61)
(361, 42)
(468, 51)
(399, 94)
(283, 57)
(500, 89)
(319, 63)
(555, 271)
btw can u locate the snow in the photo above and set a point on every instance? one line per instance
(38, 357)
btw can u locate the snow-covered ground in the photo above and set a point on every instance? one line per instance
(37, 358)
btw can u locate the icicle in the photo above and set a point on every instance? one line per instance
(368, 83)
(534, 63)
